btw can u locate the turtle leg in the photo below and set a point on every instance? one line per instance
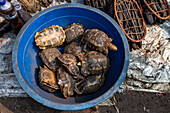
(105, 49)
(85, 47)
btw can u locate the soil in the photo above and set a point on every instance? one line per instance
(130, 102)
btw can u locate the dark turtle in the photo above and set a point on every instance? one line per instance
(49, 56)
(94, 63)
(99, 4)
(90, 84)
(45, 3)
(73, 32)
(50, 37)
(47, 80)
(70, 64)
(75, 49)
(68, 1)
(66, 82)
(98, 40)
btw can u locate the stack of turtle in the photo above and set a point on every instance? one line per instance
(82, 65)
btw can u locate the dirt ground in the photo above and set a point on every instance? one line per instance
(130, 102)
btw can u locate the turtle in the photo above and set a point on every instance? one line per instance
(50, 37)
(45, 3)
(97, 40)
(31, 6)
(49, 56)
(47, 79)
(94, 63)
(75, 49)
(99, 4)
(90, 84)
(69, 62)
(73, 32)
(68, 1)
(66, 82)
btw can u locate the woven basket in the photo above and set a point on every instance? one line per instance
(159, 7)
(130, 19)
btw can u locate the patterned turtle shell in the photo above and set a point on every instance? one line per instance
(49, 56)
(66, 82)
(74, 32)
(90, 84)
(47, 79)
(50, 37)
(75, 49)
(97, 40)
(94, 63)
(69, 62)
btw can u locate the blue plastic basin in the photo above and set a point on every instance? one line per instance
(26, 60)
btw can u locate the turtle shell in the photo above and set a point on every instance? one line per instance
(99, 4)
(90, 84)
(159, 7)
(75, 49)
(74, 32)
(69, 62)
(47, 80)
(45, 3)
(31, 6)
(50, 37)
(130, 19)
(66, 82)
(97, 40)
(94, 63)
(49, 56)
(96, 37)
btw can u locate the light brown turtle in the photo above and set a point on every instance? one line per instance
(49, 56)
(90, 84)
(73, 32)
(75, 49)
(50, 37)
(97, 40)
(47, 79)
(66, 82)
(94, 63)
(69, 62)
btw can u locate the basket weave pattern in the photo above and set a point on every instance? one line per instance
(130, 19)
(159, 7)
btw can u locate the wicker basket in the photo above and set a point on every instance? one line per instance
(159, 7)
(130, 19)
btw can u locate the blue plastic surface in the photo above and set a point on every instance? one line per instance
(2, 2)
(26, 60)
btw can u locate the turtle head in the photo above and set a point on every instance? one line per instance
(111, 46)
